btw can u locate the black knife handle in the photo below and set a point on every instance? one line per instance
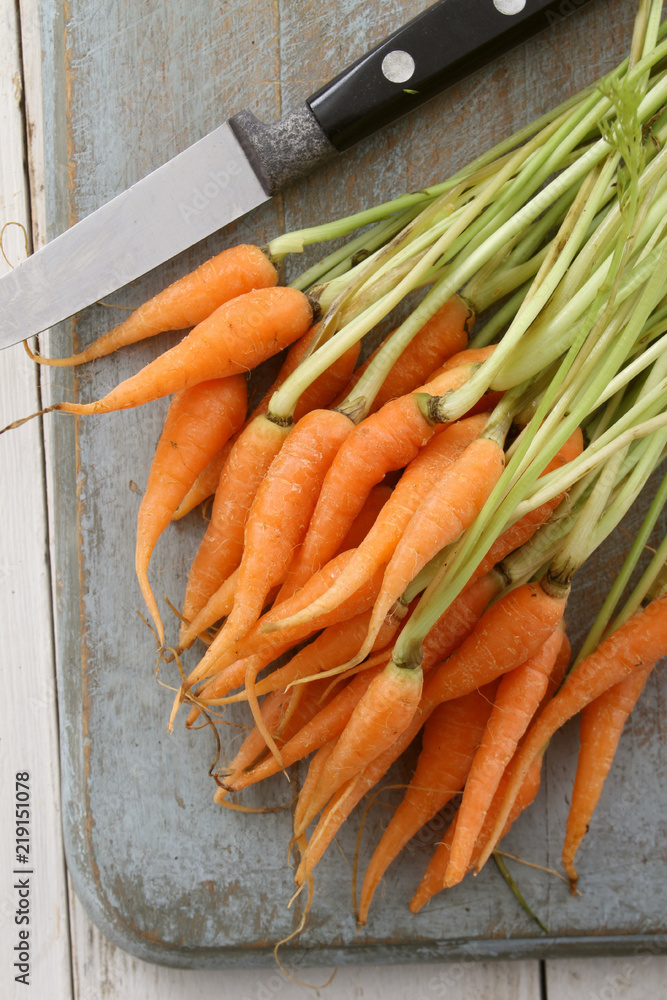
(444, 44)
(436, 49)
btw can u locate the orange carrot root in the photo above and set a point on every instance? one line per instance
(231, 341)
(185, 303)
(199, 421)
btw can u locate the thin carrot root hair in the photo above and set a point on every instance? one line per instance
(295, 933)
(237, 807)
(24, 420)
(533, 864)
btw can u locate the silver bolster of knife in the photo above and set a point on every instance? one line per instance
(284, 151)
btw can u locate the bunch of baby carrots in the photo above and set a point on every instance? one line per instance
(416, 519)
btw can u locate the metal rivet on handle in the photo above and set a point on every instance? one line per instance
(398, 66)
(509, 6)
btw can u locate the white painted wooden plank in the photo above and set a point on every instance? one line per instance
(639, 976)
(103, 972)
(28, 720)
(31, 57)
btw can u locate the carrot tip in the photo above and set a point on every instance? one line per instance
(41, 360)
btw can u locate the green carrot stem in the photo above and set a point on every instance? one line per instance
(578, 544)
(603, 419)
(343, 258)
(476, 542)
(453, 279)
(592, 461)
(634, 368)
(506, 874)
(498, 285)
(295, 241)
(655, 584)
(625, 496)
(601, 622)
(587, 382)
(553, 154)
(646, 408)
(553, 267)
(645, 31)
(298, 239)
(458, 563)
(464, 398)
(522, 248)
(420, 232)
(524, 563)
(651, 584)
(555, 329)
(284, 400)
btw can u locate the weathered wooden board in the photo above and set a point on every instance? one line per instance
(162, 871)
(28, 714)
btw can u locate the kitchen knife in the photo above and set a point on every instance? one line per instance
(244, 162)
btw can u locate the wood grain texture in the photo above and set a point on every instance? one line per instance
(163, 871)
(631, 977)
(103, 972)
(28, 716)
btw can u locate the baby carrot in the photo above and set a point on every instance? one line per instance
(327, 725)
(256, 640)
(220, 603)
(449, 507)
(284, 713)
(523, 530)
(231, 341)
(207, 482)
(518, 697)
(221, 549)
(508, 633)
(460, 618)
(231, 677)
(443, 335)
(343, 639)
(349, 794)
(433, 880)
(326, 386)
(384, 442)
(300, 668)
(185, 303)
(199, 421)
(600, 730)
(434, 460)
(451, 737)
(280, 514)
(359, 528)
(315, 767)
(253, 745)
(363, 522)
(640, 640)
(381, 715)
(518, 624)
(341, 805)
(245, 470)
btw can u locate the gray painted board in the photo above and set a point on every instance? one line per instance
(163, 872)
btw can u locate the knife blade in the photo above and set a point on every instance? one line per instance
(245, 162)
